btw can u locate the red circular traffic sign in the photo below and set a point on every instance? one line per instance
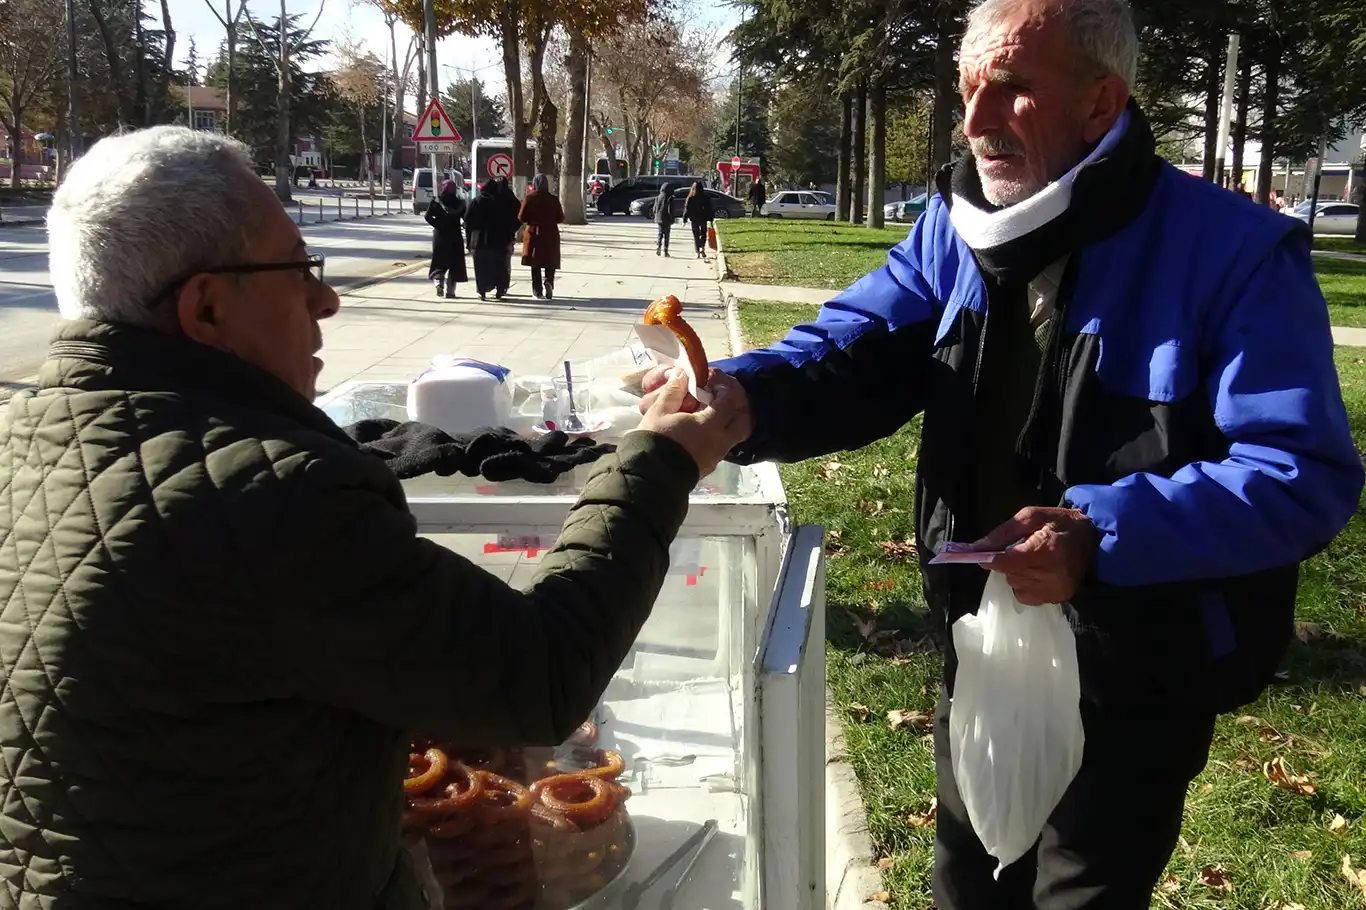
(500, 165)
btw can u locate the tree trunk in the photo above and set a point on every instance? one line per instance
(860, 153)
(842, 159)
(545, 116)
(231, 103)
(945, 96)
(140, 109)
(512, 72)
(877, 155)
(167, 56)
(16, 141)
(1214, 91)
(574, 170)
(111, 56)
(1240, 122)
(1360, 235)
(1271, 68)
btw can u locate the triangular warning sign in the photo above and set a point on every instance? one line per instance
(435, 126)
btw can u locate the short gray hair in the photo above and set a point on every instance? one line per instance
(541, 183)
(141, 211)
(1101, 31)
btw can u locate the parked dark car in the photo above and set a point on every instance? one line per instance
(723, 206)
(618, 199)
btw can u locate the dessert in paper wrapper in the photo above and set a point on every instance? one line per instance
(670, 341)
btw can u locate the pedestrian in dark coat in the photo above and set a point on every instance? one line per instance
(490, 230)
(698, 211)
(542, 215)
(664, 218)
(758, 195)
(512, 207)
(448, 240)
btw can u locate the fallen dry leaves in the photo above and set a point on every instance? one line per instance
(1280, 774)
(834, 545)
(872, 507)
(1312, 634)
(827, 470)
(1170, 884)
(858, 712)
(1355, 877)
(916, 721)
(885, 863)
(1337, 825)
(1283, 905)
(882, 896)
(1216, 877)
(898, 549)
(1302, 854)
(918, 820)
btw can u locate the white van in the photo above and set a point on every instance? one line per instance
(424, 192)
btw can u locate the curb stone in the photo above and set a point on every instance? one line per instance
(851, 879)
(737, 338)
(721, 270)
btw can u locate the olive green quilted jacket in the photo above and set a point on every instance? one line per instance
(217, 627)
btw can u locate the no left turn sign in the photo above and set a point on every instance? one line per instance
(500, 165)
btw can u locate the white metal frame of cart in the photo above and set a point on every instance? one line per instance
(760, 678)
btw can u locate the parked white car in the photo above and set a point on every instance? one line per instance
(800, 204)
(1332, 217)
(424, 192)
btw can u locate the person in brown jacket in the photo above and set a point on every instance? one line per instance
(542, 215)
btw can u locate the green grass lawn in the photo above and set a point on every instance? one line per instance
(815, 254)
(1344, 287)
(824, 255)
(1272, 844)
(1339, 245)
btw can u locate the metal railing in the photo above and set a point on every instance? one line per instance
(322, 211)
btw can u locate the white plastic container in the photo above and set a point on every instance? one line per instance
(461, 395)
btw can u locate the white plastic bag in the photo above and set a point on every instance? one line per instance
(1015, 732)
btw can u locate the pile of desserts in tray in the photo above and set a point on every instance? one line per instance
(507, 829)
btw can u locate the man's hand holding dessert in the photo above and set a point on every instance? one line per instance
(707, 433)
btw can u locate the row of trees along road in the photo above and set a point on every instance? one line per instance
(865, 93)
(124, 58)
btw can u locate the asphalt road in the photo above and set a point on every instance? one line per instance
(356, 250)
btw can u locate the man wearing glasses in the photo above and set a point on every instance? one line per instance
(218, 627)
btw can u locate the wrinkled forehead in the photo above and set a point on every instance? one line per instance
(1030, 37)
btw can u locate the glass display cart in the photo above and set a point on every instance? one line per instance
(718, 710)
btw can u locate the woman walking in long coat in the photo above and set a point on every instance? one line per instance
(491, 233)
(542, 215)
(448, 240)
(698, 210)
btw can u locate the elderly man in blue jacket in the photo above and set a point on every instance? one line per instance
(1125, 372)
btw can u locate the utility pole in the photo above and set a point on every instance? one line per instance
(1226, 111)
(739, 103)
(73, 123)
(384, 132)
(433, 76)
(1314, 196)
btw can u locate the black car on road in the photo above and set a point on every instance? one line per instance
(722, 205)
(618, 199)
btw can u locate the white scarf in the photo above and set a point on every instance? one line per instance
(984, 229)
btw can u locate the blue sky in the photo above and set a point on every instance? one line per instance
(361, 21)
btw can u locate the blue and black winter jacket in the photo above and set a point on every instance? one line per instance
(1198, 422)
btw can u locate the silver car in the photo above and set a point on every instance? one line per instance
(1332, 217)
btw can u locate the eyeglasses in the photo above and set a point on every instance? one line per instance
(311, 265)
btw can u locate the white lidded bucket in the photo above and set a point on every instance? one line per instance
(461, 395)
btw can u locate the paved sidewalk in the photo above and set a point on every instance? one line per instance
(1334, 254)
(391, 330)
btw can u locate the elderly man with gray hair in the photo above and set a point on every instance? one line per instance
(1127, 382)
(218, 627)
